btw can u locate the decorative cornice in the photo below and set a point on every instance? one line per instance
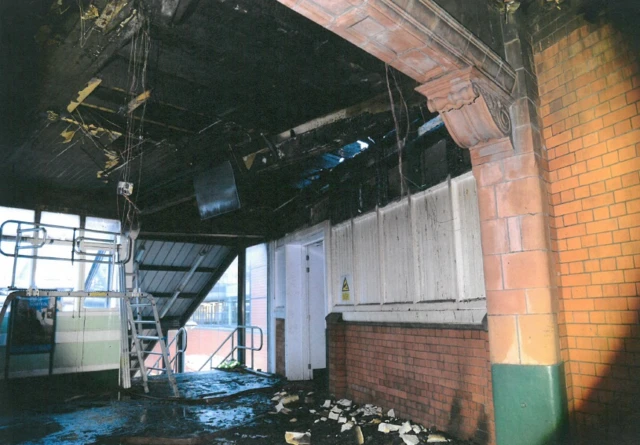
(474, 109)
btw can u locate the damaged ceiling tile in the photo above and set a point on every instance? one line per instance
(109, 12)
(138, 100)
(90, 13)
(67, 136)
(84, 93)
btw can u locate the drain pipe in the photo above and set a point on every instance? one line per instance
(183, 284)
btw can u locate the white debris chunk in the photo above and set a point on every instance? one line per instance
(416, 429)
(316, 421)
(410, 439)
(333, 416)
(387, 427)
(312, 411)
(433, 438)
(285, 410)
(336, 409)
(324, 419)
(346, 427)
(326, 404)
(359, 436)
(342, 419)
(344, 402)
(405, 428)
(293, 420)
(391, 413)
(297, 438)
(289, 399)
(368, 410)
(310, 393)
(279, 407)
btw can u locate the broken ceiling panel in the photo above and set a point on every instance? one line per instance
(161, 90)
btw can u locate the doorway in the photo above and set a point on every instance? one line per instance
(315, 293)
(305, 304)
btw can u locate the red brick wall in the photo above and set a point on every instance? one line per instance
(589, 84)
(438, 377)
(280, 355)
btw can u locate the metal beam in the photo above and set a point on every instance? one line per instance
(218, 239)
(154, 268)
(228, 259)
(201, 255)
(183, 295)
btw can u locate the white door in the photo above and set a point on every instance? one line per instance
(315, 290)
(296, 347)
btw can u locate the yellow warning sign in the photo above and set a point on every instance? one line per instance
(346, 291)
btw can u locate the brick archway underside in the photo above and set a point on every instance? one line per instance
(463, 79)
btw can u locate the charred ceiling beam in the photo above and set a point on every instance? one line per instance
(168, 12)
(168, 89)
(177, 62)
(83, 53)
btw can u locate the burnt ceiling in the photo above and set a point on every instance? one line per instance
(154, 92)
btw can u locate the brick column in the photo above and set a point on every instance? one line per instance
(527, 373)
(337, 355)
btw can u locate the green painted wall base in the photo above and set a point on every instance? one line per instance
(530, 404)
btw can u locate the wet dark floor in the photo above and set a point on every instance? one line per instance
(218, 407)
(105, 417)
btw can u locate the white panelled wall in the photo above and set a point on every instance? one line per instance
(415, 260)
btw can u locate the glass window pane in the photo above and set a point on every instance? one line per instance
(58, 274)
(7, 245)
(100, 274)
(60, 219)
(220, 307)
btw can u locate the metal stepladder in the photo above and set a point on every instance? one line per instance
(143, 331)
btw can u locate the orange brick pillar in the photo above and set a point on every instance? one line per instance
(527, 373)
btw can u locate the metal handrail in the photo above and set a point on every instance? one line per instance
(75, 243)
(235, 347)
(178, 353)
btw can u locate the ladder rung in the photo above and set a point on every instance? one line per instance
(148, 337)
(145, 321)
(135, 353)
(155, 369)
(140, 304)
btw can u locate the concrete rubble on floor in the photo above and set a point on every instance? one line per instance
(352, 418)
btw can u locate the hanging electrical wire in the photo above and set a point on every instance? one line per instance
(140, 47)
(400, 140)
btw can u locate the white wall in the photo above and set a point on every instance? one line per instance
(415, 260)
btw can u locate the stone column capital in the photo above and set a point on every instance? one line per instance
(473, 107)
